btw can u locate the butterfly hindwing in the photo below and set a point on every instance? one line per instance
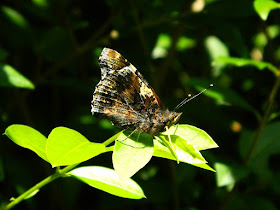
(125, 98)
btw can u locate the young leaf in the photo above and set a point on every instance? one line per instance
(108, 180)
(10, 77)
(161, 150)
(66, 146)
(240, 62)
(263, 7)
(131, 154)
(29, 138)
(197, 137)
(184, 149)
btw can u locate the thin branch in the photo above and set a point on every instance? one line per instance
(265, 118)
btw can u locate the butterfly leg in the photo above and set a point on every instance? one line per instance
(128, 136)
(121, 141)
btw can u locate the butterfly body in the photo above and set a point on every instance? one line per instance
(125, 98)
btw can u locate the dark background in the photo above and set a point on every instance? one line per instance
(56, 44)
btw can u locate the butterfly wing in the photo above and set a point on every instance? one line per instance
(123, 96)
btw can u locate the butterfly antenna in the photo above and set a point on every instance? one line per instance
(186, 100)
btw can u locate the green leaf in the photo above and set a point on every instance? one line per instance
(29, 138)
(240, 62)
(107, 180)
(273, 31)
(185, 43)
(131, 154)
(10, 77)
(227, 175)
(162, 45)
(197, 137)
(184, 149)
(215, 48)
(66, 146)
(14, 16)
(263, 7)
(41, 3)
(161, 150)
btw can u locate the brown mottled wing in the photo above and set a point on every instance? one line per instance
(122, 96)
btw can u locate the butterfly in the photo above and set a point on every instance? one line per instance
(125, 98)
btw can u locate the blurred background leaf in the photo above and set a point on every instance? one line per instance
(10, 77)
(56, 45)
(263, 7)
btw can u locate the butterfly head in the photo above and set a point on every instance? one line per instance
(173, 118)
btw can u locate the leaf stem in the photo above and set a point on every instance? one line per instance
(265, 117)
(38, 186)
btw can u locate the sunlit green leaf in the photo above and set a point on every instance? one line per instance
(131, 154)
(161, 150)
(10, 77)
(240, 62)
(263, 7)
(197, 137)
(108, 180)
(184, 149)
(66, 146)
(29, 138)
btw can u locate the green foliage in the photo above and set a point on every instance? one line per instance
(66, 147)
(108, 180)
(29, 138)
(132, 151)
(48, 70)
(241, 62)
(131, 154)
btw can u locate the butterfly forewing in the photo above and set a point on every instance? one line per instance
(125, 98)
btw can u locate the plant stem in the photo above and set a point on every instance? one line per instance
(39, 185)
(265, 117)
